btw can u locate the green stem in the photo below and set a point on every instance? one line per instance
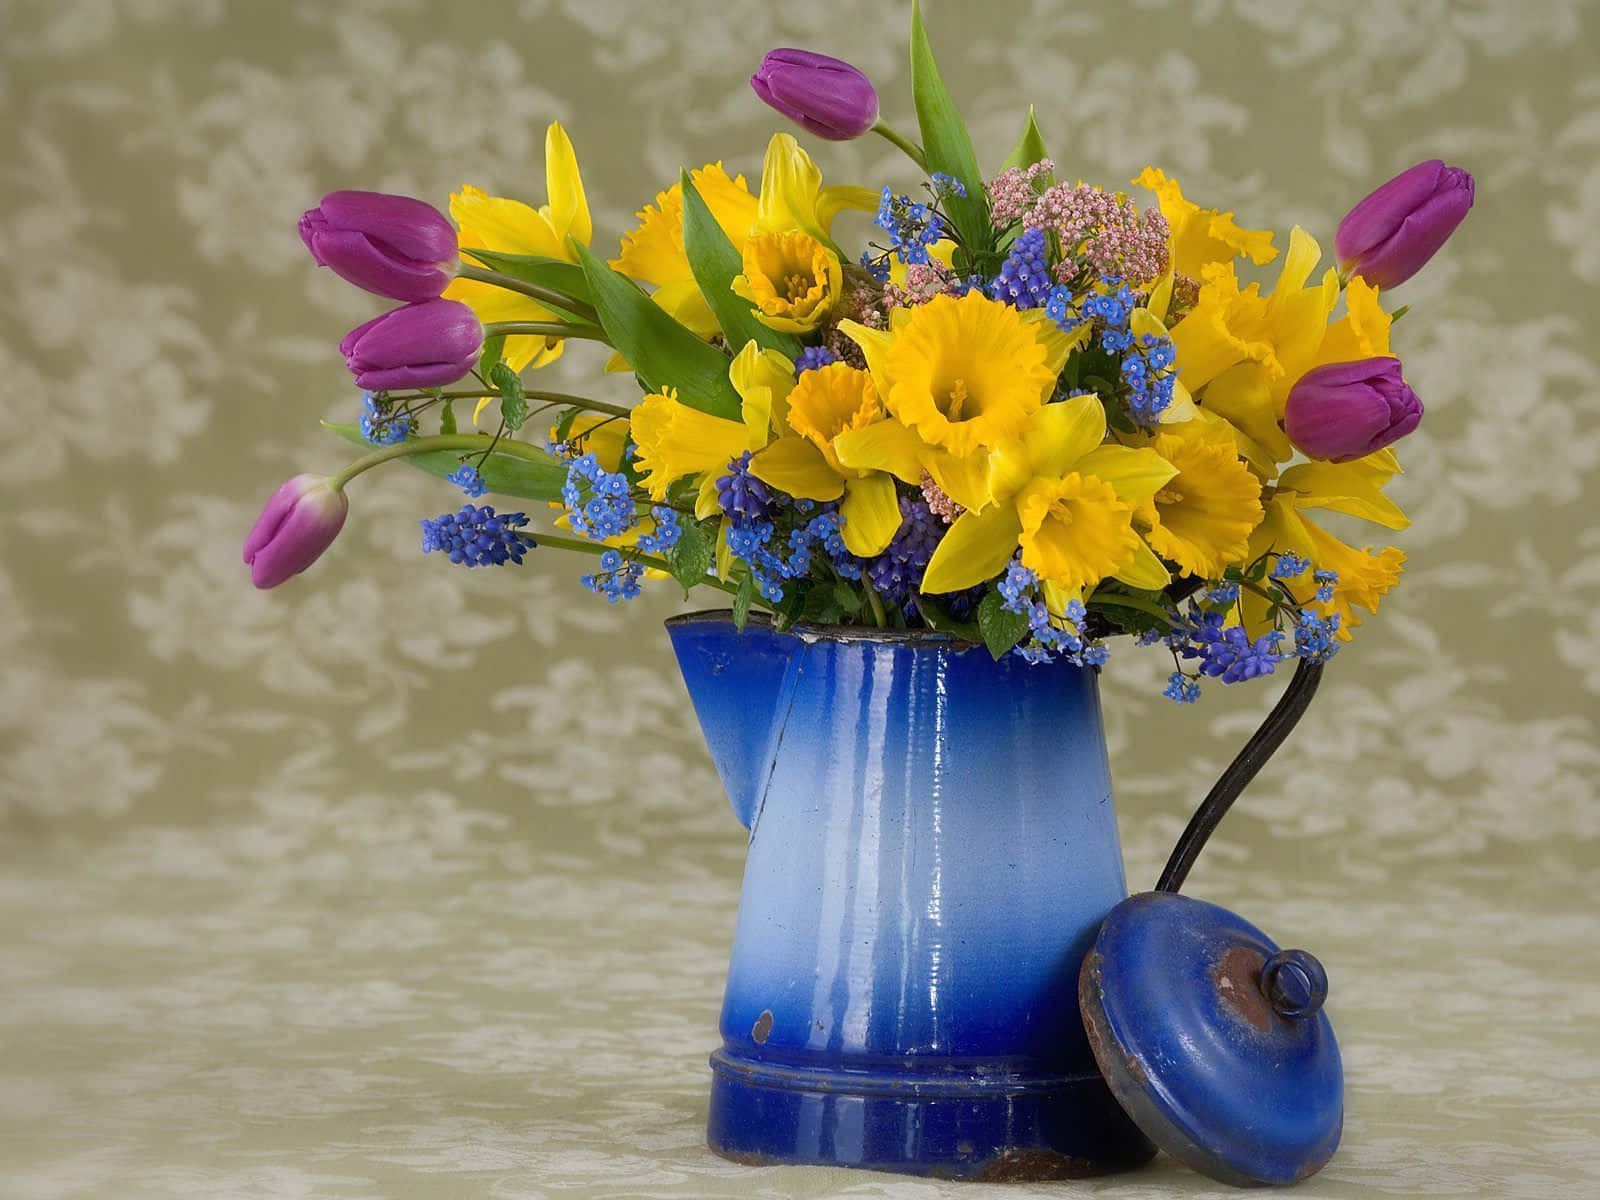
(445, 441)
(649, 560)
(556, 329)
(1398, 313)
(889, 133)
(553, 398)
(544, 295)
(879, 617)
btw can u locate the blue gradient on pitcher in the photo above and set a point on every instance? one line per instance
(936, 835)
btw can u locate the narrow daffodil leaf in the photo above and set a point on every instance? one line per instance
(662, 352)
(716, 264)
(1030, 146)
(946, 142)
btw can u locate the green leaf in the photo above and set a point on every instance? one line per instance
(742, 600)
(1030, 146)
(691, 558)
(564, 424)
(493, 348)
(848, 598)
(1001, 628)
(716, 264)
(540, 479)
(939, 619)
(554, 273)
(513, 408)
(447, 417)
(946, 142)
(662, 352)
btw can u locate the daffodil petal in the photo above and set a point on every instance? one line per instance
(1338, 488)
(871, 515)
(874, 345)
(975, 548)
(569, 209)
(1135, 475)
(790, 182)
(763, 379)
(1145, 571)
(964, 480)
(794, 465)
(706, 503)
(831, 201)
(1060, 434)
(882, 446)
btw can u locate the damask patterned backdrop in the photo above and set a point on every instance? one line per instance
(402, 880)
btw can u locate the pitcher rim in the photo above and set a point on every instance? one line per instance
(809, 632)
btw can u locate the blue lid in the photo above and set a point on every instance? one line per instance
(1214, 1040)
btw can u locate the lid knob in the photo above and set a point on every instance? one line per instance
(1294, 983)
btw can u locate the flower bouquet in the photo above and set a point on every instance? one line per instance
(936, 463)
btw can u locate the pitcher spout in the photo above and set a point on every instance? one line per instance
(739, 683)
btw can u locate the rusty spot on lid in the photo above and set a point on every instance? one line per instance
(1238, 980)
(1137, 1071)
(762, 1028)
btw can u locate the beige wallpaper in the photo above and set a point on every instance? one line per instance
(344, 890)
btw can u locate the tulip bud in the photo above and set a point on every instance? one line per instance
(1388, 237)
(419, 345)
(297, 525)
(825, 95)
(395, 246)
(1348, 410)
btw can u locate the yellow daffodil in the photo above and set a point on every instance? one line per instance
(968, 372)
(824, 404)
(1356, 489)
(1364, 575)
(1202, 517)
(1246, 349)
(791, 278)
(677, 441)
(653, 253)
(511, 227)
(1065, 498)
(1200, 236)
(792, 195)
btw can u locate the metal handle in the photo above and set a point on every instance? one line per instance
(1284, 716)
(1294, 983)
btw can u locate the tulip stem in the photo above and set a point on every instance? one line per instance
(556, 398)
(647, 560)
(549, 329)
(468, 442)
(544, 295)
(889, 133)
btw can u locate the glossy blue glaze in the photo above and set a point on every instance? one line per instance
(1215, 1040)
(932, 848)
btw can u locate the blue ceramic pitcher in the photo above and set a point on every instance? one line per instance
(932, 849)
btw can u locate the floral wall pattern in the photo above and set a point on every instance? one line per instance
(344, 889)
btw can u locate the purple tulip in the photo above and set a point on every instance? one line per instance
(419, 345)
(395, 246)
(1388, 237)
(297, 525)
(1348, 410)
(825, 95)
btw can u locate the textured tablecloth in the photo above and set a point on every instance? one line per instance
(405, 882)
